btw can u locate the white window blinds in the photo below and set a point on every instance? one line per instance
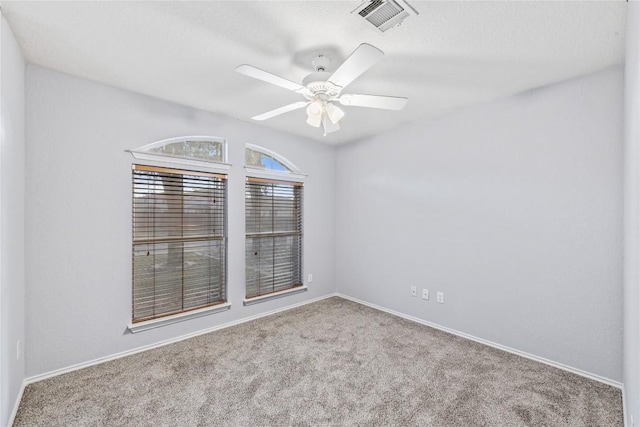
(179, 241)
(273, 247)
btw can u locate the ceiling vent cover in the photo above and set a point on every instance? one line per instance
(385, 14)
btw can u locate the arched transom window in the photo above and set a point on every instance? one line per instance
(261, 158)
(187, 149)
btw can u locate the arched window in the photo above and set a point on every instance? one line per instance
(189, 150)
(263, 162)
(179, 203)
(273, 221)
(258, 157)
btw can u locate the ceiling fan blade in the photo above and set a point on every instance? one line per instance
(357, 63)
(281, 110)
(328, 125)
(265, 76)
(374, 101)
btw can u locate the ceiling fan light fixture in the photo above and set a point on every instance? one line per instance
(315, 108)
(314, 120)
(328, 126)
(334, 113)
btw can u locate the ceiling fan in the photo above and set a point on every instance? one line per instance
(323, 89)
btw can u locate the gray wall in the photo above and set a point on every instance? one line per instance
(513, 209)
(632, 216)
(79, 214)
(12, 174)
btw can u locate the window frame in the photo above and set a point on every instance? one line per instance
(144, 158)
(291, 177)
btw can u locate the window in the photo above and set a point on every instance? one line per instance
(209, 150)
(191, 151)
(179, 241)
(258, 158)
(273, 248)
(273, 213)
(265, 163)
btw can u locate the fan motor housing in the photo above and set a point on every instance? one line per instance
(319, 86)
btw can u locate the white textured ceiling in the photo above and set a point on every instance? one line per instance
(453, 54)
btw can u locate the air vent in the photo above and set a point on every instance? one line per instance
(385, 14)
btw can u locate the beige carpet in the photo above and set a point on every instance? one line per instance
(333, 362)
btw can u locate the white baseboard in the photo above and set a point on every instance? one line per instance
(492, 344)
(12, 418)
(122, 354)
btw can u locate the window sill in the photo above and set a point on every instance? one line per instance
(156, 323)
(268, 297)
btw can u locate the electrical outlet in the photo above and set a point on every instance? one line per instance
(440, 297)
(18, 350)
(310, 278)
(425, 294)
(414, 291)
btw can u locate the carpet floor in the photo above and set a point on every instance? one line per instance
(333, 362)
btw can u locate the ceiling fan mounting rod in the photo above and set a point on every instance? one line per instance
(320, 63)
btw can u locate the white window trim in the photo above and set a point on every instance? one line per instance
(277, 175)
(162, 321)
(143, 154)
(181, 163)
(274, 295)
